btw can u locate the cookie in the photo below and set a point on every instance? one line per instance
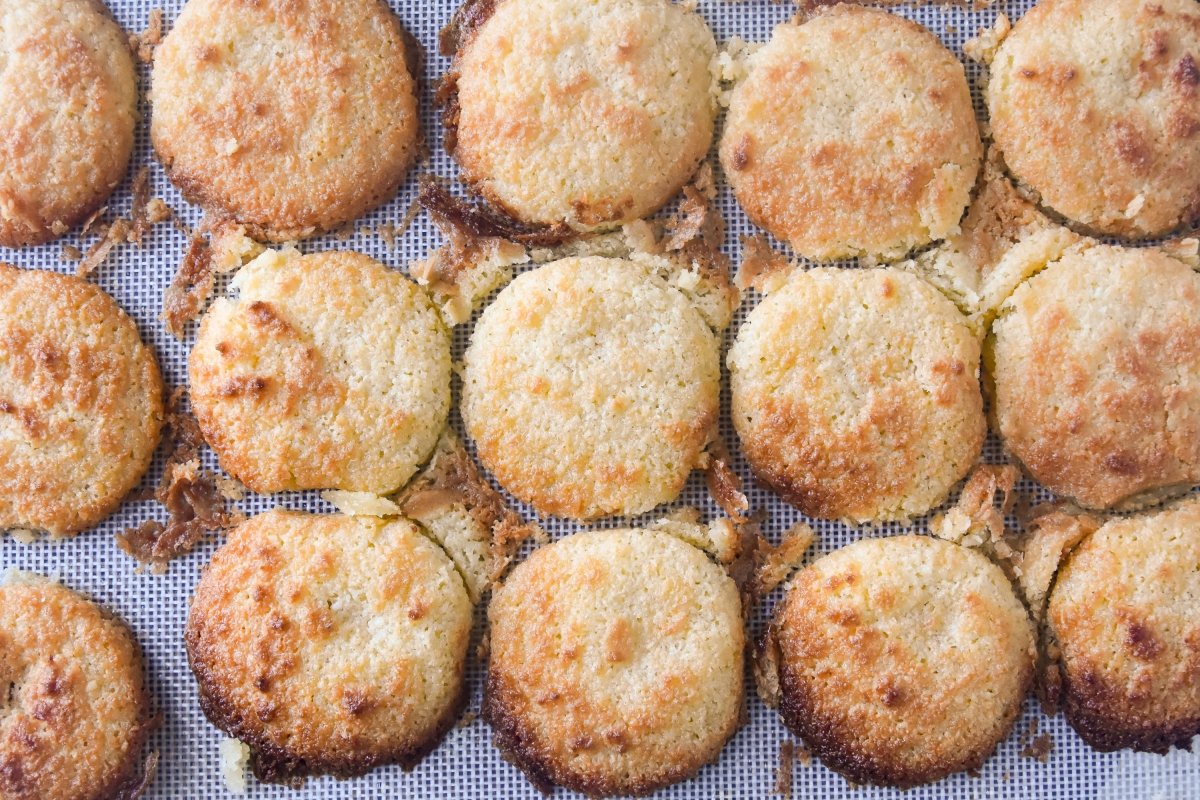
(292, 118)
(329, 644)
(856, 394)
(329, 370)
(616, 662)
(583, 114)
(902, 660)
(77, 711)
(1094, 106)
(1125, 611)
(68, 108)
(591, 387)
(853, 135)
(1095, 373)
(81, 403)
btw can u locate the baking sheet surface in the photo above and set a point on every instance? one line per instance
(466, 765)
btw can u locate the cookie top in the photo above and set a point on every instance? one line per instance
(1126, 613)
(329, 370)
(1094, 105)
(591, 387)
(853, 135)
(77, 711)
(902, 660)
(1095, 369)
(329, 644)
(616, 662)
(292, 118)
(583, 113)
(68, 108)
(80, 402)
(856, 394)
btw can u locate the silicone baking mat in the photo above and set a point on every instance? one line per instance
(465, 764)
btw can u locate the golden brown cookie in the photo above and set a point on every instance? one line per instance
(856, 394)
(583, 113)
(591, 387)
(68, 108)
(330, 644)
(292, 117)
(74, 709)
(616, 662)
(1095, 369)
(853, 135)
(1095, 106)
(1125, 611)
(329, 370)
(80, 403)
(902, 660)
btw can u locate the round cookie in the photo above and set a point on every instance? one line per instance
(902, 660)
(591, 387)
(616, 662)
(68, 108)
(583, 113)
(1093, 104)
(292, 118)
(856, 394)
(1125, 611)
(1095, 374)
(328, 371)
(81, 404)
(853, 135)
(330, 644)
(75, 711)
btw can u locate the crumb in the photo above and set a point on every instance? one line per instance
(139, 209)
(387, 232)
(467, 718)
(774, 563)
(976, 520)
(481, 222)
(467, 268)
(143, 44)
(762, 268)
(483, 649)
(110, 237)
(71, 253)
(230, 488)
(410, 214)
(360, 503)
(724, 484)
(235, 755)
(787, 762)
(230, 247)
(982, 48)
(190, 495)
(90, 221)
(452, 478)
(191, 287)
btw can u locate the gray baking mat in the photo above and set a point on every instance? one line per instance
(466, 765)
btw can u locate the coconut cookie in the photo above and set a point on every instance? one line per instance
(616, 662)
(1094, 106)
(330, 644)
(591, 387)
(68, 108)
(902, 660)
(81, 403)
(853, 135)
(329, 370)
(293, 118)
(856, 394)
(583, 114)
(1096, 375)
(74, 712)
